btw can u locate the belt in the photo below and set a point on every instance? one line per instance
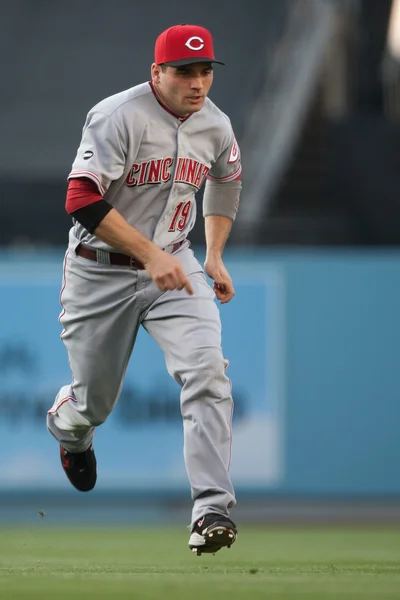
(115, 258)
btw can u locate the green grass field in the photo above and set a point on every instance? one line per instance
(271, 563)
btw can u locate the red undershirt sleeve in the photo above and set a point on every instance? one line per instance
(80, 193)
(85, 204)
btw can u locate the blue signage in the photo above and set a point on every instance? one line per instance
(141, 444)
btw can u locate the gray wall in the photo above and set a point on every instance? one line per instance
(60, 58)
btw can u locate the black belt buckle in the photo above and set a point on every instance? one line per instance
(135, 264)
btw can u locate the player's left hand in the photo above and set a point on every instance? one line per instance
(223, 286)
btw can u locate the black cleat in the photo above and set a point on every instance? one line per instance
(211, 533)
(80, 468)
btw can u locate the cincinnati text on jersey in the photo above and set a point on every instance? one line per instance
(160, 170)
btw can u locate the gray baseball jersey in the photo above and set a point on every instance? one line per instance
(148, 164)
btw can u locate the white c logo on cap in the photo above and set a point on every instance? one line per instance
(190, 41)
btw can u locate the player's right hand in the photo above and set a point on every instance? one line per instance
(167, 272)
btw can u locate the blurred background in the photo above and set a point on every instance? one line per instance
(312, 88)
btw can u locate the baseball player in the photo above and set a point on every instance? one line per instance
(144, 154)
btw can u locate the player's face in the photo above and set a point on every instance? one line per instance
(183, 89)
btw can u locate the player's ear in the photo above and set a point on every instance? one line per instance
(155, 72)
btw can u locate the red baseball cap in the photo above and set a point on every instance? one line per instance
(184, 44)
